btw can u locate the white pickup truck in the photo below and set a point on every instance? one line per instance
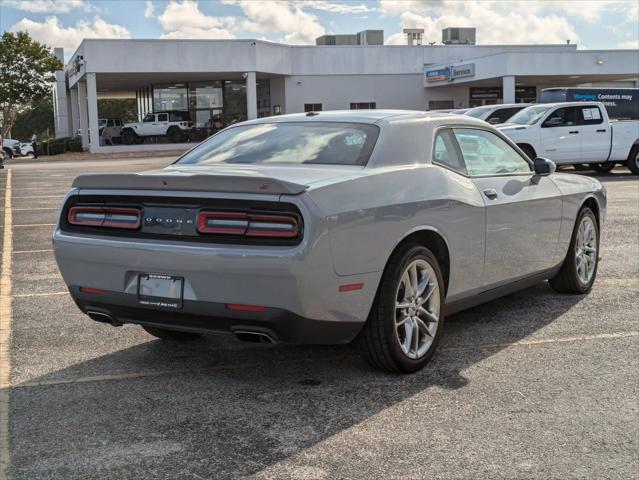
(575, 133)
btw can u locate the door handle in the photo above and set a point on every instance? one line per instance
(601, 130)
(573, 132)
(490, 193)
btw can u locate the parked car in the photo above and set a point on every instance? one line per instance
(11, 147)
(26, 149)
(495, 114)
(575, 133)
(460, 111)
(175, 125)
(327, 227)
(113, 127)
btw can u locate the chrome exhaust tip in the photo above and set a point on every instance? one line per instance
(103, 318)
(255, 337)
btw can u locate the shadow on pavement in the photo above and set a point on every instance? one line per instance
(225, 409)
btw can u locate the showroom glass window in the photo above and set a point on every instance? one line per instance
(486, 154)
(170, 97)
(206, 103)
(234, 101)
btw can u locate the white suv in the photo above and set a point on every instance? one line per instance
(174, 125)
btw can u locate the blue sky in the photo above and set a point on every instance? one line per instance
(593, 24)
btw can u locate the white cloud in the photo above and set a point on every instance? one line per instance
(53, 34)
(629, 44)
(289, 19)
(497, 22)
(48, 6)
(335, 7)
(185, 20)
(149, 9)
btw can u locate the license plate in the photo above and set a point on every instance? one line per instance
(156, 290)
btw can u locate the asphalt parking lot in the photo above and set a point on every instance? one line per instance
(534, 385)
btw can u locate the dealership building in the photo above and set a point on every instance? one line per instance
(231, 80)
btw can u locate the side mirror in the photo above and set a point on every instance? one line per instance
(543, 166)
(494, 121)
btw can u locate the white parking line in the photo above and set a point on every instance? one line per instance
(40, 294)
(5, 329)
(39, 196)
(33, 209)
(32, 251)
(34, 225)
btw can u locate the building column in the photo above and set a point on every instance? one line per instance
(92, 104)
(251, 96)
(60, 103)
(508, 89)
(83, 114)
(74, 111)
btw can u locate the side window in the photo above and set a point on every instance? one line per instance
(562, 117)
(163, 117)
(590, 115)
(445, 151)
(110, 123)
(149, 118)
(486, 154)
(501, 115)
(118, 123)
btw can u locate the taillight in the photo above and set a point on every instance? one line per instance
(107, 217)
(272, 225)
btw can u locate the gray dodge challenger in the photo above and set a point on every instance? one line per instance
(328, 227)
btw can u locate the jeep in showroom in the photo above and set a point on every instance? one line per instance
(175, 126)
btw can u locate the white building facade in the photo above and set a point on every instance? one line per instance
(222, 81)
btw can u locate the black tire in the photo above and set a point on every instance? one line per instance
(128, 137)
(633, 160)
(378, 341)
(529, 151)
(172, 335)
(603, 167)
(174, 134)
(567, 279)
(581, 167)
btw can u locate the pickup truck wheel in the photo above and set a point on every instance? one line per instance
(174, 134)
(128, 137)
(579, 270)
(406, 319)
(633, 160)
(603, 167)
(174, 335)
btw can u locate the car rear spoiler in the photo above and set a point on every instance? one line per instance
(195, 183)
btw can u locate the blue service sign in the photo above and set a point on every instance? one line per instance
(439, 74)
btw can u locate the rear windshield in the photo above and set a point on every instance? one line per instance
(330, 143)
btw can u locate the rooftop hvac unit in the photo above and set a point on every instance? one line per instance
(458, 36)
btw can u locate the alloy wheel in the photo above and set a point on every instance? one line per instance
(417, 309)
(586, 250)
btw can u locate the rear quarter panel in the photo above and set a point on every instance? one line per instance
(576, 190)
(369, 216)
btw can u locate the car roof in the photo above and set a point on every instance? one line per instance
(354, 116)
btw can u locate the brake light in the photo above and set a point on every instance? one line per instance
(273, 225)
(107, 217)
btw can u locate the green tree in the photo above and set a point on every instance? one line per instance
(26, 73)
(37, 117)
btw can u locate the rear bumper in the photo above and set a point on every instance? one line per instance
(297, 285)
(208, 317)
